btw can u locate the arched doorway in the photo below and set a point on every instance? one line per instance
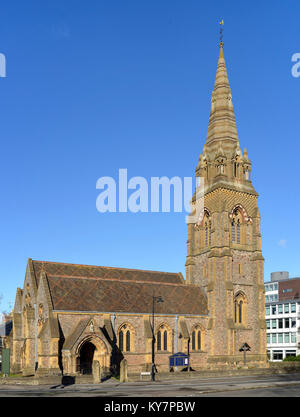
(86, 358)
(92, 349)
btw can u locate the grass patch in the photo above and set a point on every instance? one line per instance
(12, 375)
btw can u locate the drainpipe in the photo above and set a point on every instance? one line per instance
(176, 338)
(176, 334)
(114, 341)
(113, 321)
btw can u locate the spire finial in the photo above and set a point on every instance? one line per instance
(221, 32)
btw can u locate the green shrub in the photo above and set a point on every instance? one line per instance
(292, 359)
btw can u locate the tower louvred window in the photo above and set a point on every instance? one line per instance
(233, 231)
(205, 236)
(236, 224)
(238, 232)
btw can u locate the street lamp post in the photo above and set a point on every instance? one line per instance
(189, 366)
(154, 300)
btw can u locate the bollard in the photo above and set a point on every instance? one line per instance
(96, 372)
(124, 371)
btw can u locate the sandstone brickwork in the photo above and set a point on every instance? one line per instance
(224, 245)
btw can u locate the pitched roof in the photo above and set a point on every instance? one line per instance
(70, 293)
(89, 271)
(71, 339)
(52, 324)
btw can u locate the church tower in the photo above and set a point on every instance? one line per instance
(224, 244)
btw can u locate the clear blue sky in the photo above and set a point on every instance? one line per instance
(94, 86)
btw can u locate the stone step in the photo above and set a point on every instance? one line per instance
(84, 379)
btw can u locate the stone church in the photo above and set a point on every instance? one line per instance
(66, 316)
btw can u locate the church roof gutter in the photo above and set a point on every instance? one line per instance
(128, 314)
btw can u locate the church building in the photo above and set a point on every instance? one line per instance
(66, 316)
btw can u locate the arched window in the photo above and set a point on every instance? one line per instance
(240, 304)
(232, 231)
(205, 230)
(238, 232)
(128, 341)
(164, 338)
(240, 309)
(126, 338)
(236, 219)
(197, 338)
(121, 340)
(194, 340)
(159, 340)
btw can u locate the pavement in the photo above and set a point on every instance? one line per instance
(255, 385)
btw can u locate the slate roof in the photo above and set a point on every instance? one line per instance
(85, 288)
(110, 295)
(74, 270)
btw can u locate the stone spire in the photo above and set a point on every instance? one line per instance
(222, 124)
(222, 163)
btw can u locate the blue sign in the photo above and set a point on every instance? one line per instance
(179, 359)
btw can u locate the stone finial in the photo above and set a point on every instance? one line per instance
(245, 156)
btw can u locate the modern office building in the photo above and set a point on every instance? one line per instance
(282, 316)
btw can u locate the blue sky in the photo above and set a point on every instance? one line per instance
(100, 85)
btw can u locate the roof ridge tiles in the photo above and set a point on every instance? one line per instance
(121, 279)
(107, 267)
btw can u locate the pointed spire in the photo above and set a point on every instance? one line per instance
(222, 163)
(221, 76)
(246, 155)
(222, 124)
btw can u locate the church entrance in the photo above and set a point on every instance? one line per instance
(92, 349)
(86, 358)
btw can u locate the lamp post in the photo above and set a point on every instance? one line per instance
(189, 366)
(158, 299)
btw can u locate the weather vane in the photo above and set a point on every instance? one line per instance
(221, 32)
